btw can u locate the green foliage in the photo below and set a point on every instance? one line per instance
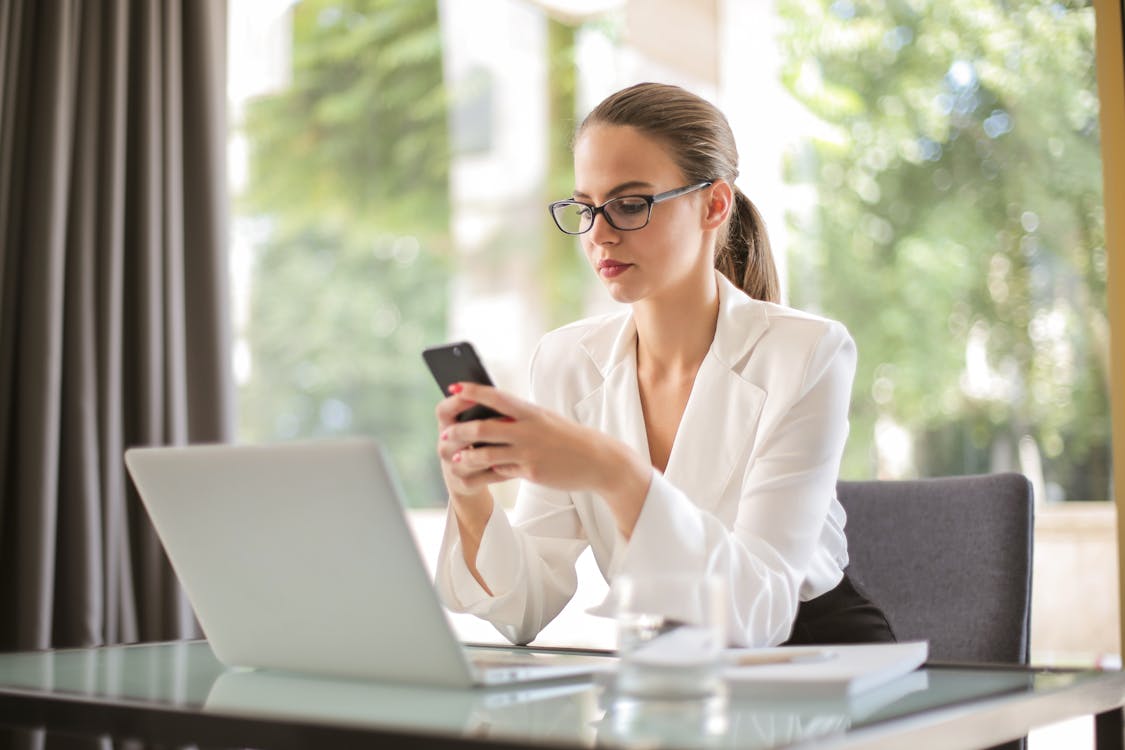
(348, 176)
(563, 263)
(359, 137)
(959, 201)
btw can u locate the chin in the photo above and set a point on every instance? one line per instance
(623, 294)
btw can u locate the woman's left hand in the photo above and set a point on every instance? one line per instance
(543, 447)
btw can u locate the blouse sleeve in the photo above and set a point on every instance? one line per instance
(528, 565)
(786, 491)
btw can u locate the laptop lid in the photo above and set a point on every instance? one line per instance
(299, 557)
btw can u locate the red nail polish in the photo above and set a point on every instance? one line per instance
(507, 419)
(456, 388)
(456, 457)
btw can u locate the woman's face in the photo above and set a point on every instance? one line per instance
(669, 254)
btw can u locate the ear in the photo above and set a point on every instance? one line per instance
(720, 202)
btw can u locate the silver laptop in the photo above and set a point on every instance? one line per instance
(299, 557)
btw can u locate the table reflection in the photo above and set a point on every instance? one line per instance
(547, 709)
(186, 677)
(727, 722)
(574, 711)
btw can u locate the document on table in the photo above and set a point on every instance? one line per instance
(821, 671)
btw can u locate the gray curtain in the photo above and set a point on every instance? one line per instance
(113, 301)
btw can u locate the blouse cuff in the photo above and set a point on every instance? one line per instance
(669, 536)
(498, 544)
(498, 549)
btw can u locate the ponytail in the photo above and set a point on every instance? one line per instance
(744, 255)
(699, 139)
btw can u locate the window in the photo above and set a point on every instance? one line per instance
(929, 171)
(958, 230)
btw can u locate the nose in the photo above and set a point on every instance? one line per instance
(602, 232)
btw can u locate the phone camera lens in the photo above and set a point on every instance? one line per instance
(456, 351)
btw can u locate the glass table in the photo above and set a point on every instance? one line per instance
(178, 693)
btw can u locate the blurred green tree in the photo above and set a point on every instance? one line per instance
(563, 261)
(348, 183)
(958, 229)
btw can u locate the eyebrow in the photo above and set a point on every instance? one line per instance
(631, 185)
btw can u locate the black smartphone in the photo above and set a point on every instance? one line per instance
(459, 363)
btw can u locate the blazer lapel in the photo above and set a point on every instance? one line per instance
(718, 423)
(722, 412)
(615, 406)
(721, 403)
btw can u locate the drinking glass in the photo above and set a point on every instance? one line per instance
(670, 635)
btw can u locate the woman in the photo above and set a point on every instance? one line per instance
(700, 431)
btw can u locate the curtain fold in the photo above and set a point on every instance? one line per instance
(113, 302)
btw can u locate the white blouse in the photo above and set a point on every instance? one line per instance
(749, 490)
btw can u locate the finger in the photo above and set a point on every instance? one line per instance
(448, 408)
(459, 467)
(446, 450)
(470, 478)
(495, 430)
(508, 471)
(453, 452)
(501, 401)
(484, 457)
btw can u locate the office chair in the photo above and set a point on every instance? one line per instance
(948, 560)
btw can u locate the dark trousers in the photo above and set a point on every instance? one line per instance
(842, 615)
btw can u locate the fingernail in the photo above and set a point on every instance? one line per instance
(507, 419)
(456, 457)
(456, 388)
(445, 435)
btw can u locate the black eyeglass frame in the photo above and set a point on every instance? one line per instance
(651, 200)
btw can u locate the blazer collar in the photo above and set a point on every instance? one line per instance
(741, 323)
(721, 401)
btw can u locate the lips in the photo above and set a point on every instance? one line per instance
(612, 268)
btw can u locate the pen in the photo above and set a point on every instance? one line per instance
(777, 657)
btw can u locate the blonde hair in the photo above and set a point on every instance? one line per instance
(700, 141)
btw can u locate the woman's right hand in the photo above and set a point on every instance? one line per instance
(462, 486)
(472, 501)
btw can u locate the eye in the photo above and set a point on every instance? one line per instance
(630, 206)
(572, 210)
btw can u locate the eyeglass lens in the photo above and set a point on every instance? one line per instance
(623, 213)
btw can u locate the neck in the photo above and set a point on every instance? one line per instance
(674, 333)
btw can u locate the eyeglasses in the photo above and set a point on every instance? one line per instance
(626, 213)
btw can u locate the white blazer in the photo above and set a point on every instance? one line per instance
(749, 490)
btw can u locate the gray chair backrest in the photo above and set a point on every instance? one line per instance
(948, 560)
